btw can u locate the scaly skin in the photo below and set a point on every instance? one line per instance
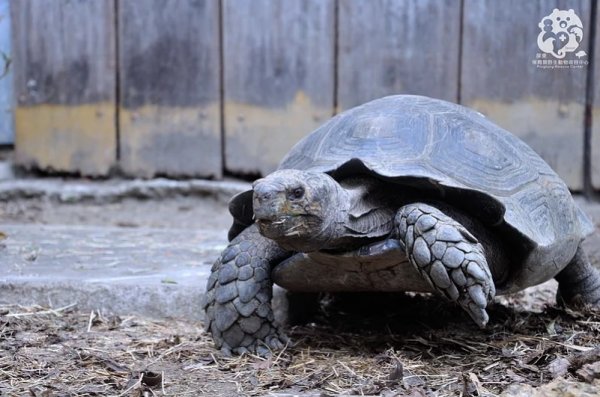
(238, 296)
(448, 256)
(579, 282)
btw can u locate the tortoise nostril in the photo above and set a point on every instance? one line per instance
(265, 196)
(263, 193)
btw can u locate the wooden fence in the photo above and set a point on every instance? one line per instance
(204, 87)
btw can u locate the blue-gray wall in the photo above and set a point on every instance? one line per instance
(6, 118)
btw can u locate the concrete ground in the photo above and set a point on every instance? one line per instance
(126, 247)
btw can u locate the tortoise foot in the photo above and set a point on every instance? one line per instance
(238, 298)
(448, 256)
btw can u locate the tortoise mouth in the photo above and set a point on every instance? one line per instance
(285, 227)
(273, 226)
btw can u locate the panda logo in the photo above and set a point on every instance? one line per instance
(561, 33)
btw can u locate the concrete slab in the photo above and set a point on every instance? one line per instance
(70, 190)
(153, 272)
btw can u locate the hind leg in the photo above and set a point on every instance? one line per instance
(448, 256)
(579, 282)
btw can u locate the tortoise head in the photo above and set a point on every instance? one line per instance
(296, 209)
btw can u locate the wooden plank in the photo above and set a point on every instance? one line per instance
(169, 88)
(64, 52)
(279, 76)
(595, 142)
(545, 107)
(7, 133)
(397, 47)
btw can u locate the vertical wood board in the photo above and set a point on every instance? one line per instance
(397, 47)
(169, 115)
(543, 106)
(6, 87)
(64, 57)
(278, 77)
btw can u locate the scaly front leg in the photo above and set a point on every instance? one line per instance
(448, 256)
(238, 296)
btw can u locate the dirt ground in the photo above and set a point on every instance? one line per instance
(357, 345)
(412, 346)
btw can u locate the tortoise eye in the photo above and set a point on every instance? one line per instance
(297, 193)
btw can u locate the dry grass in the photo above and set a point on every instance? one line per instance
(412, 346)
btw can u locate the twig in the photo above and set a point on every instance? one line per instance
(89, 327)
(49, 311)
(136, 384)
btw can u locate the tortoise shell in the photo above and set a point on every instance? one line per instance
(471, 162)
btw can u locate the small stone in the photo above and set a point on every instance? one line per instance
(430, 237)
(226, 293)
(421, 252)
(409, 239)
(452, 292)
(227, 273)
(425, 223)
(438, 249)
(247, 289)
(250, 324)
(234, 336)
(449, 233)
(245, 273)
(225, 316)
(459, 278)
(245, 309)
(474, 270)
(439, 275)
(453, 257)
(476, 293)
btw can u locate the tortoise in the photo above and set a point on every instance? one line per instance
(403, 193)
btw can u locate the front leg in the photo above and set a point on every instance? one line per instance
(448, 256)
(238, 296)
